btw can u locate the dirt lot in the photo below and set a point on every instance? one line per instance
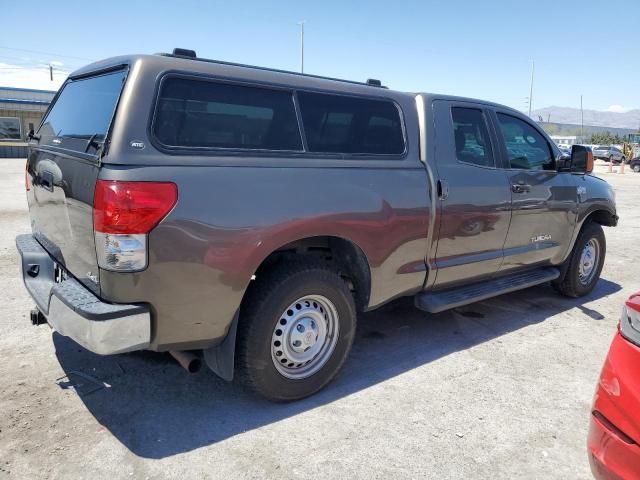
(498, 389)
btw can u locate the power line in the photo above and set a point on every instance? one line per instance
(41, 67)
(46, 53)
(20, 59)
(27, 62)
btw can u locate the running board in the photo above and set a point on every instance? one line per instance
(439, 301)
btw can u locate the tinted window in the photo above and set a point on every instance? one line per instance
(83, 109)
(339, 124)
(9, 128)
(471, 137)
(199, 113)
(526, 147)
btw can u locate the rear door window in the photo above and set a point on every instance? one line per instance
(471, 137)
(80, 117)
(195, 113)
(351, 125)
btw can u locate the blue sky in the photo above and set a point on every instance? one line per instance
(478, 48)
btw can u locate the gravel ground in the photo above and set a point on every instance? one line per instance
(498, 389)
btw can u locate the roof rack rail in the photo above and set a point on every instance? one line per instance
(375, 82)
(191, 55)
(184, 52)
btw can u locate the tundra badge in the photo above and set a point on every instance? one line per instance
(541, 238)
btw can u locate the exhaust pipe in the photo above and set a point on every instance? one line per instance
(187, 360)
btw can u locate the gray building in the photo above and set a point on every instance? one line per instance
(21, 109)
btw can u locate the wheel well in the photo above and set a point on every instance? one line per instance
(603, 217)
(343, 256)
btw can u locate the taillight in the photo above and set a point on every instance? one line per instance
(123, 214)
(131, 207)
(27, 178)
(630, 320)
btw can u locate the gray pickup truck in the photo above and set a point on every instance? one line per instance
(609, 153)
(241, 216)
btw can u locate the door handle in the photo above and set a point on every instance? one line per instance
(443, 189)
(520, 188)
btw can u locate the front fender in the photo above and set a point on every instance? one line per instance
(597, 203)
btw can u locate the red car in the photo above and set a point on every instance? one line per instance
(614, 434)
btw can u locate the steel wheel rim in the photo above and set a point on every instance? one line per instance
(305, 336)
(589, 261)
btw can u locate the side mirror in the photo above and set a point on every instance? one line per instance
(581, 159)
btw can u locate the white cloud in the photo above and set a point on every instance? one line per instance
(31, 77)
(617, 109)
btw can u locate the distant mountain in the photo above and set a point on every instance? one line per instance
(630, 119)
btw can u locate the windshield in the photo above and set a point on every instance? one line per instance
(83, 111)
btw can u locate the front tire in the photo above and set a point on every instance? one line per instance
(584, 264)
(296, 329)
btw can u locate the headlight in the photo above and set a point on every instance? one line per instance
(630, 320)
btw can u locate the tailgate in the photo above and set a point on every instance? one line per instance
(63, 167)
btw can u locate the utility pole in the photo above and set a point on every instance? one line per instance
(51, 72)
(301, 23)
(581, 122)
(531, 87)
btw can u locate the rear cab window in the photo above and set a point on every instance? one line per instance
(211, 114)
(351, 125)
(194, 113)
(80, 116)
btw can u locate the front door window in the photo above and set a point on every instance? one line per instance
(526, 148)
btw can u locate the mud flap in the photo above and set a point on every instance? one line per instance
(221, 358)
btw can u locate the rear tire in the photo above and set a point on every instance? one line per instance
(636, 168)
(296, 329)
(584, 264)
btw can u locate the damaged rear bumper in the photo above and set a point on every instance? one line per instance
(74, 311)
